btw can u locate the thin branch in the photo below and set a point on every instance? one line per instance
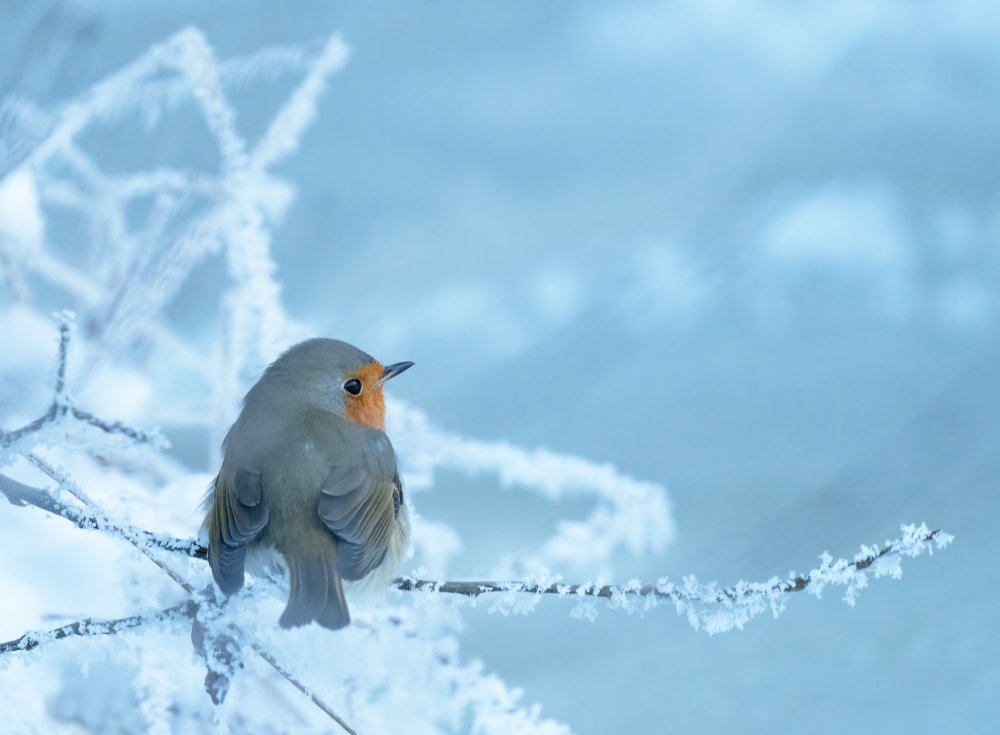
(62, 404)
(728, 594)
(90, 627)
(66, 321)
(117, 427)
(60, 407)
(9, 438)
(89, 520)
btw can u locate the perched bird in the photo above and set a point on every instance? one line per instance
(309, 472)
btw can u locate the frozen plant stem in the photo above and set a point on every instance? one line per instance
(62, 404)
(88, 627)
(20, 495)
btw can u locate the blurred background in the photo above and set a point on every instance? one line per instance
(746, 249)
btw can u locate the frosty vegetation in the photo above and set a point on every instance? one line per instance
(107, 468)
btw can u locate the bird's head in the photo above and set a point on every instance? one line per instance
(334, 376)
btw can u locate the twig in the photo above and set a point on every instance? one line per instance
(116, 427)
(729, 594)
(88, 627)
(20, 495)
(66, 321)
(62, 404)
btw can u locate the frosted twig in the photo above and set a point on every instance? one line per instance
(66, 320)
(660, 590)
(116, 427)
(89, 627)
(59, 405)
(708, 606)
(20, 495)
(62, 404)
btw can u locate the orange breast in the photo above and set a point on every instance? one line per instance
(368, 408)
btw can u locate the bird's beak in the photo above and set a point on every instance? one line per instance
(391, 371)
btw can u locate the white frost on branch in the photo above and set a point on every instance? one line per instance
(708, 607)
(718, 611)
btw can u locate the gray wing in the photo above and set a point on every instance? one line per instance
(359, 506)
(239, 514)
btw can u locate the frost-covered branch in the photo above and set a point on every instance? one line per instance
(91, 627)
(913, 535)
(62, 404)
(707, 606)
(20, 494)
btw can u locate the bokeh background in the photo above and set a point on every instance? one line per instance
(746, 249)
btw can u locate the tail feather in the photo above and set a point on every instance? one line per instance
(335, 616)
(315, 593)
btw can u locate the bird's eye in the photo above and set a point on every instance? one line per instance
(353, 387)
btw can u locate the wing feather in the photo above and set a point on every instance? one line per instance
(360, 510)
(239, 515)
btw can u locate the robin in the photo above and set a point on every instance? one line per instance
(309, 472)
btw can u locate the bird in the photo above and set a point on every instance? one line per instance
(309, 472)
